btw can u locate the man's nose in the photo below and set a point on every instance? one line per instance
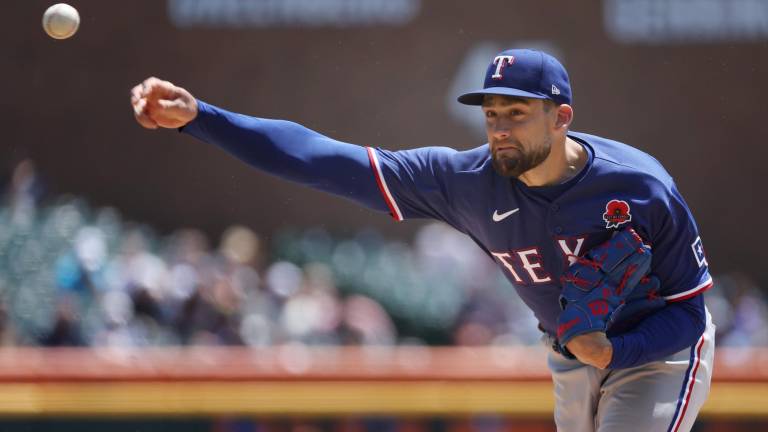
(500, 130)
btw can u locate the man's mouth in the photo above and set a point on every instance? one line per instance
(507, 147)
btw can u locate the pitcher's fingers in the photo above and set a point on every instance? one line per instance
(141, 115)
(136, 93)
(155, 88)
(146, 122)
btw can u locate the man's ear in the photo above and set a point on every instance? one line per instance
(564, 116)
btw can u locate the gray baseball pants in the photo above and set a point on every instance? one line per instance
(663, 396)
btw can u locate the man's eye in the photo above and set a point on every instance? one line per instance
(517, 112)
(490, 114)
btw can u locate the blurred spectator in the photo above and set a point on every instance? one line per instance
(7, 332)
(24, 192)
(137, 266)
(365, 322)
(215, 288)
(66, 328)
(312, 314)
(190, 264)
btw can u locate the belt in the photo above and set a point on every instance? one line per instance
(552, 343)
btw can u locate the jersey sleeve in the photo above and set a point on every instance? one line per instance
(416, 183)
(649, 341)
(290, 151)
(678, 253)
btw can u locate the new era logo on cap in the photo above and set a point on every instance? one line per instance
(523, 73)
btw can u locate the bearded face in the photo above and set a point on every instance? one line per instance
(518, 133)
(512, 160)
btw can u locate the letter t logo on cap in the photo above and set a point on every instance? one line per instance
(500, 62)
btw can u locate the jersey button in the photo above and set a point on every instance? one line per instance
(555, 208)
(558, 230)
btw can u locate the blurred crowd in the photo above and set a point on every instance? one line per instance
(75, 275)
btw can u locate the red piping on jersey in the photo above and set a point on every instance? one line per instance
(393, 210)
(694, 292)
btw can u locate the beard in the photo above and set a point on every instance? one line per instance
(514, 163)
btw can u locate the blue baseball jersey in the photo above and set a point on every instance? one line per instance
(534, 233)
(531, 232)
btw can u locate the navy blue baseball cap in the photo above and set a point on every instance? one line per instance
(523, 73)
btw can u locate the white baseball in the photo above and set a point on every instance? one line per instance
(61, 21)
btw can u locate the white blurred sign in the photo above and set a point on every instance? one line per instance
(291, 13)
(661, 21)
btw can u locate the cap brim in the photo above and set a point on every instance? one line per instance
(476, 97)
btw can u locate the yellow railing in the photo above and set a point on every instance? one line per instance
(294, 380)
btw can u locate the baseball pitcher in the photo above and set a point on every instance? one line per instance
(592, 234)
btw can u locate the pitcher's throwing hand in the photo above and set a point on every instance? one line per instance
(160, 103)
